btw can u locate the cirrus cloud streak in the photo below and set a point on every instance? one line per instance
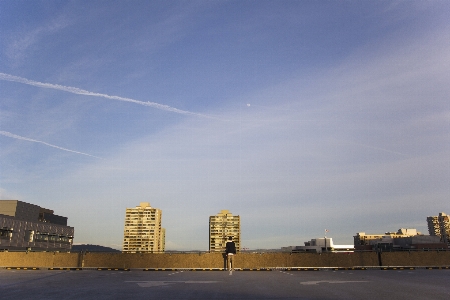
(75, 90)
(18, 137)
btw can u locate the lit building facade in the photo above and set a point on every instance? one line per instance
(222, 226)
(143, 232)
(25, 226)
(400, 240)
(440, 226)
(433, 226)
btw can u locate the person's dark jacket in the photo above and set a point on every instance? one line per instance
(230, 248)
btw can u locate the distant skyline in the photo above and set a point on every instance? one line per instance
(298, 116)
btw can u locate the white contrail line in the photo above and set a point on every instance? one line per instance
(74, 90)
(15, 136)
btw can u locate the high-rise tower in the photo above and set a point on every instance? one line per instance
(222, 226)
(143, 232)
(440, 226)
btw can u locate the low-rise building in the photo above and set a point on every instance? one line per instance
(25, 226)
(319, 245)
(403, 239)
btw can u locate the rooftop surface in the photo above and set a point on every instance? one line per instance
(275, 284)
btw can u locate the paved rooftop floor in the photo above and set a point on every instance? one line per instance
(276, 284)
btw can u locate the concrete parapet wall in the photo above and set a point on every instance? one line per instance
(361, 259)
(217, 260)
(38, 259)
(416, 258)
(143, 260)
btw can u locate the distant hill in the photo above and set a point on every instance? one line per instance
(92, 248)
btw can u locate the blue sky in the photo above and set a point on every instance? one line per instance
(299, 116)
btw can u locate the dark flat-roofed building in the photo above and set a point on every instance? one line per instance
(25, 226)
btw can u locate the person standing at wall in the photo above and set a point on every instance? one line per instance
(230, 251)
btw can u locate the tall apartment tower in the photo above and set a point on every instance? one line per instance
(222, 226)
(433, 226)
(440, 226)
(143, 232)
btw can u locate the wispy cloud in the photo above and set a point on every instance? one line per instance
(21, 43)
(380, 149)
(74, 90)
(15, 136)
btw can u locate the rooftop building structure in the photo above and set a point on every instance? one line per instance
(143, 232)
(25, 226)
(319, 245)
(222, 226)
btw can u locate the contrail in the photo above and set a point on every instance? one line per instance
(74, 90)
(14, 136)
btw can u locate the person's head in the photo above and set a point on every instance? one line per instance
(230, 238)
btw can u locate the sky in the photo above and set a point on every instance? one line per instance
(298, 116)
